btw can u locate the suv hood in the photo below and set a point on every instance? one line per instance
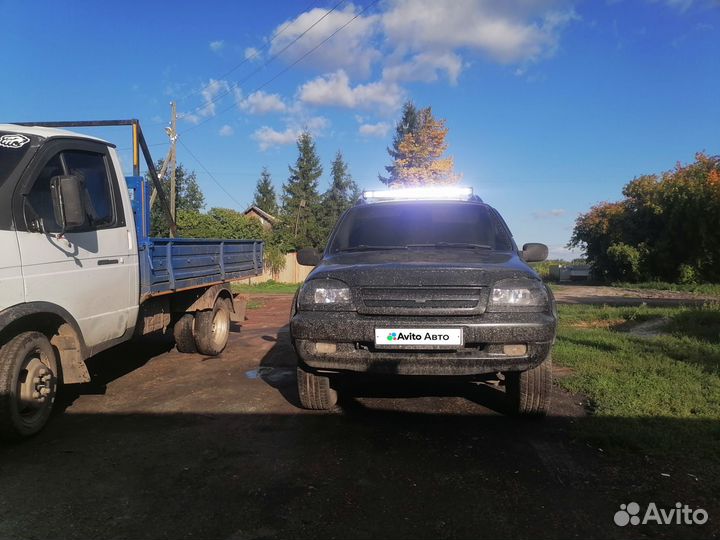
(420, 267)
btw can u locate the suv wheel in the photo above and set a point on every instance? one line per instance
(528, 392)
(315, 391)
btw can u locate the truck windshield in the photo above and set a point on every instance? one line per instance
(13, 148)
(405, 225)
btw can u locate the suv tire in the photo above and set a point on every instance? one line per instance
(315, 391)
(528, 392)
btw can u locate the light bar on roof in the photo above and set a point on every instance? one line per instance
(434, 193)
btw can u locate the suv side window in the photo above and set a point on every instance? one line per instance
(92, 170)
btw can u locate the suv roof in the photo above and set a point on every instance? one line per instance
(418, 194)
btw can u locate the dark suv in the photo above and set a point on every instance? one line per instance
(424, 283)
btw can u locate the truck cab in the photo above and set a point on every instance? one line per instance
(79, 273)
(424, 282)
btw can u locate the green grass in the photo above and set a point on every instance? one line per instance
(709, 289)
(268, 287)
(657, 395)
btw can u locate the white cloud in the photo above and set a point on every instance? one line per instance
(217, 46)
(546, 214)
(226, 131)
(251, 53)
(506, 32)
(374, 130)
(261, 103)
(211, 94)
(426, 67)
(352, 49)
(334, 90)
(268, 137)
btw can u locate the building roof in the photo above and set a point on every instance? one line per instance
(262, 213)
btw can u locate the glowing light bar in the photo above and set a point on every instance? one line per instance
(434, 193)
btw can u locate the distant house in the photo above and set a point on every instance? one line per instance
(266, 220)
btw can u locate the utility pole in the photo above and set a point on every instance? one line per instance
(297, 219)
(170, 162)
(173, 161)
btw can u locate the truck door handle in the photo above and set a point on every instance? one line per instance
(104, 262)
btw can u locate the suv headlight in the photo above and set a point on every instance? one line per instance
(325, 294)
(524, 294)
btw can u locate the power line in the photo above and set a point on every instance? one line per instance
(240, 205)
(237, 84)
(256, 54)
(286, 69)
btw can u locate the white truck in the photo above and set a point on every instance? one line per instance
(79, 272)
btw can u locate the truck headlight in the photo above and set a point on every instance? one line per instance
(325, 294)
(518, 293)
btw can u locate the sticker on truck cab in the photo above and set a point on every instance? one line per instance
(13, 140)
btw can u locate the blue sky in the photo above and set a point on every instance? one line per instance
(552, 105)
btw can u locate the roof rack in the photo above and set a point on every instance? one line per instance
(429, 193)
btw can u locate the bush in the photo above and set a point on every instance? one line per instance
(687, 275)
(623, 263)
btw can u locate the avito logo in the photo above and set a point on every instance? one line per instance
(411, 336)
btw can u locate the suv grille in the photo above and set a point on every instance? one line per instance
(421, 301)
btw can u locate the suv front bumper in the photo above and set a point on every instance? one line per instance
(484, 336)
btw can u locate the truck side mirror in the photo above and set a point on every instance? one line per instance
(308, 257)
(534, 252)
(68, 201)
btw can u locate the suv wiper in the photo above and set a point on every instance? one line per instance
(365, 247)
(452, 245)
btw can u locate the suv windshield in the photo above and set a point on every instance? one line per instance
(407, 225)
(13, 148)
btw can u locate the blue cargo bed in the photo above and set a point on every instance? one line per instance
(175, 264)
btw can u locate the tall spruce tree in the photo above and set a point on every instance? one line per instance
(341, 195)
(421, 160)
(301, 199)
(409, 123)
(265, 197)
(189, 197)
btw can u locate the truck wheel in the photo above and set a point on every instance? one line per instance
(315, 391)
(28, 384)
(212, 328)
(183, 332)
(529, 392)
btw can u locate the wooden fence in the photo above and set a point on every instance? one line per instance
(292, 273)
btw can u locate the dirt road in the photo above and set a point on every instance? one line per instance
(614, 296)
(165, 445)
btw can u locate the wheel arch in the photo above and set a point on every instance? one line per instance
(61, 329)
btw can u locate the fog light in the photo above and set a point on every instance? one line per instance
(515, 350)
(322, 347)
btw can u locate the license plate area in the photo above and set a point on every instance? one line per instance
(419, 338)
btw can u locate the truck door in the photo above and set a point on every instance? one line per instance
(85, 271)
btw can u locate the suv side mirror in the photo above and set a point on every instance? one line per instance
(308, 257)
(68, 201)
(534, 252)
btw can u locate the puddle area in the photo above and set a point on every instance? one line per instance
(271, 374)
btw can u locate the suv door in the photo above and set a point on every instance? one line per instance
(84, 271)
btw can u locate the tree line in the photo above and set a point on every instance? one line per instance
(304, 216)
(666, 227)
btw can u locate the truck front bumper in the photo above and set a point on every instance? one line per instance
(345, 342)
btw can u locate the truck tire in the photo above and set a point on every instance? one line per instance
(28, 384)
(212, 328)
(528, 392)
(315, 391)
(183, 333)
